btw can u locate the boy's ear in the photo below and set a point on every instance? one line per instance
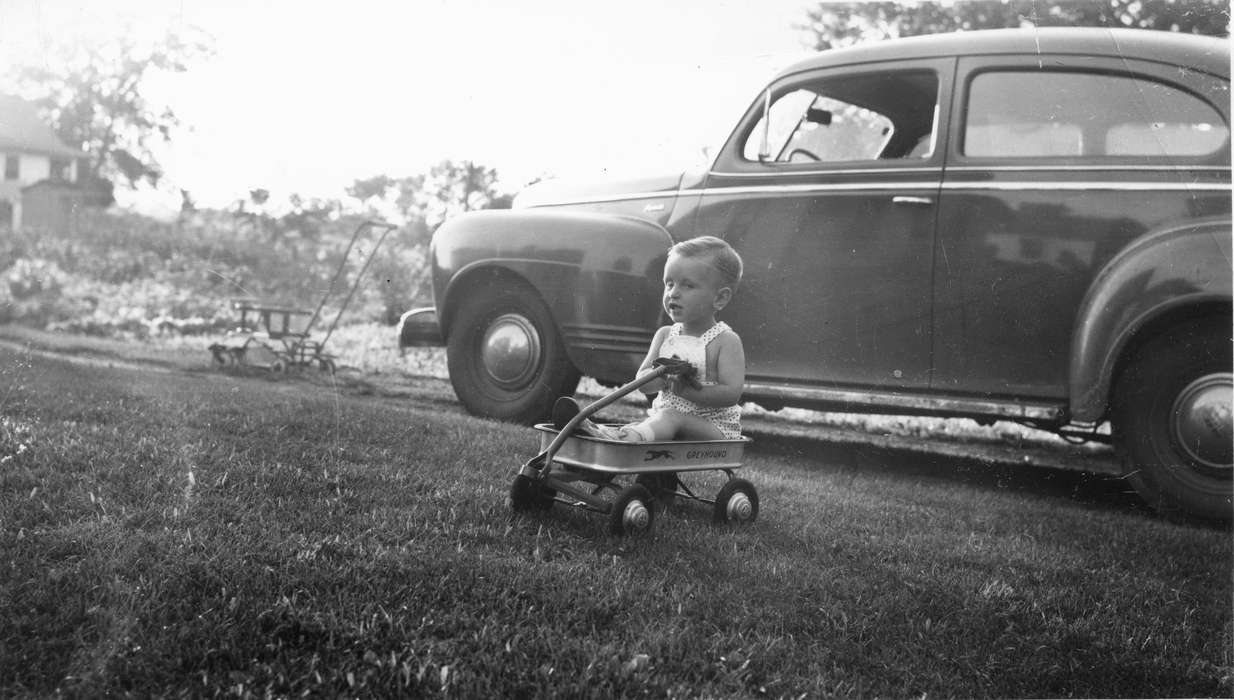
(723, 296)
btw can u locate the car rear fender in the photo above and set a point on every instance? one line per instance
(599, 275)
(1161, 278)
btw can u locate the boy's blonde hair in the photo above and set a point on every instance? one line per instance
(724, 259)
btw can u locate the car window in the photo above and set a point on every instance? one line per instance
(850, 118)
(1024, 114)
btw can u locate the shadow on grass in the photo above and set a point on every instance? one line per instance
(1093, 490)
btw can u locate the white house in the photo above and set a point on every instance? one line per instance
(38, 186)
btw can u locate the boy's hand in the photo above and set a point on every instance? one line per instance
(681, 370)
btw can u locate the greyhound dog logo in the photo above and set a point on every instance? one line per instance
(653, 455)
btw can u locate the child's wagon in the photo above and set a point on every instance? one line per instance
(626, 480)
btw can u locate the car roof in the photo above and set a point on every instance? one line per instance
(1209, 54)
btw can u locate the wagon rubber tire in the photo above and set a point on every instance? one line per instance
(1172, 424)
(736, 502)
(633, 513)
(504, 355)
(529, 496)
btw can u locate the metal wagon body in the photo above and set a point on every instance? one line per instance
(595, 473)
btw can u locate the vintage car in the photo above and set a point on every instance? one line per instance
(1023, 225)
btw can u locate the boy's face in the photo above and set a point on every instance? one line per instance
(693, 291)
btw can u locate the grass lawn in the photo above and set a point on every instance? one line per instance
(165, 532)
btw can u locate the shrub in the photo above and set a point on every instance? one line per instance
(126, 274)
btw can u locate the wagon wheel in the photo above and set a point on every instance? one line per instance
(326, 365)
(736, 502)
(279, 366)
(528, 495)
(633, 512)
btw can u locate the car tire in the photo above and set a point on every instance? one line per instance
(1171, 420)
(504, 355)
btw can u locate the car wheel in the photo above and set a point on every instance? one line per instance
(504, 356)
(528, 495)
(737, 502)
(632, 513)
(1172, 420)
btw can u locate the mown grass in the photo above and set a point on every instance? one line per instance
(173, 533)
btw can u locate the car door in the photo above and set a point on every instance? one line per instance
(1057, 162)
(835, 222)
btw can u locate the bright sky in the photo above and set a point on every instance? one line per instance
(306, 97)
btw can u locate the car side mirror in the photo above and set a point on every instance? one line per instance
(815, 115)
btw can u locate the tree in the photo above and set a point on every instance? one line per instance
(94, 96)
(421, 202)
(836, 24)
(454, 188)
(449, 188)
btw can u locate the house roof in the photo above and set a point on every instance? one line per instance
(21, 130)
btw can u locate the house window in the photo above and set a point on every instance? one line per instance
(60, 169)
(12, 168)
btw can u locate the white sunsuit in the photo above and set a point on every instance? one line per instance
(693, 349)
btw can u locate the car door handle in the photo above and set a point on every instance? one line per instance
(904, 199)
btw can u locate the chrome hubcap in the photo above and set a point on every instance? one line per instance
(636, 516)
(1201, 423)
(739, 507)
(511, 350)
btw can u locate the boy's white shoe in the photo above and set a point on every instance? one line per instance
(604, 432)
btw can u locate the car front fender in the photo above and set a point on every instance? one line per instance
(1162, 277)
(599, 275)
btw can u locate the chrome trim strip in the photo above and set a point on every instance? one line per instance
(615, 331)
(985, 169)
(890, 186)
(598, 200)
(1081, 186)
(1016, 185)
(829, 187)
(593, 346)
(1012, 410)
(606, 338)
(1087, 168)
(843, 171)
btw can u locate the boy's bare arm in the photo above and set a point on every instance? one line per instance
(657, 385)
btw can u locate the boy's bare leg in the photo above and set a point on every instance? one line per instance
(668, 424)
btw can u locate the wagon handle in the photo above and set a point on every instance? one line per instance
(545, 458)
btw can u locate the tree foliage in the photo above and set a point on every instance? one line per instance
(94, 95)
(836, 24)
(421, 202)
(449, 188)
